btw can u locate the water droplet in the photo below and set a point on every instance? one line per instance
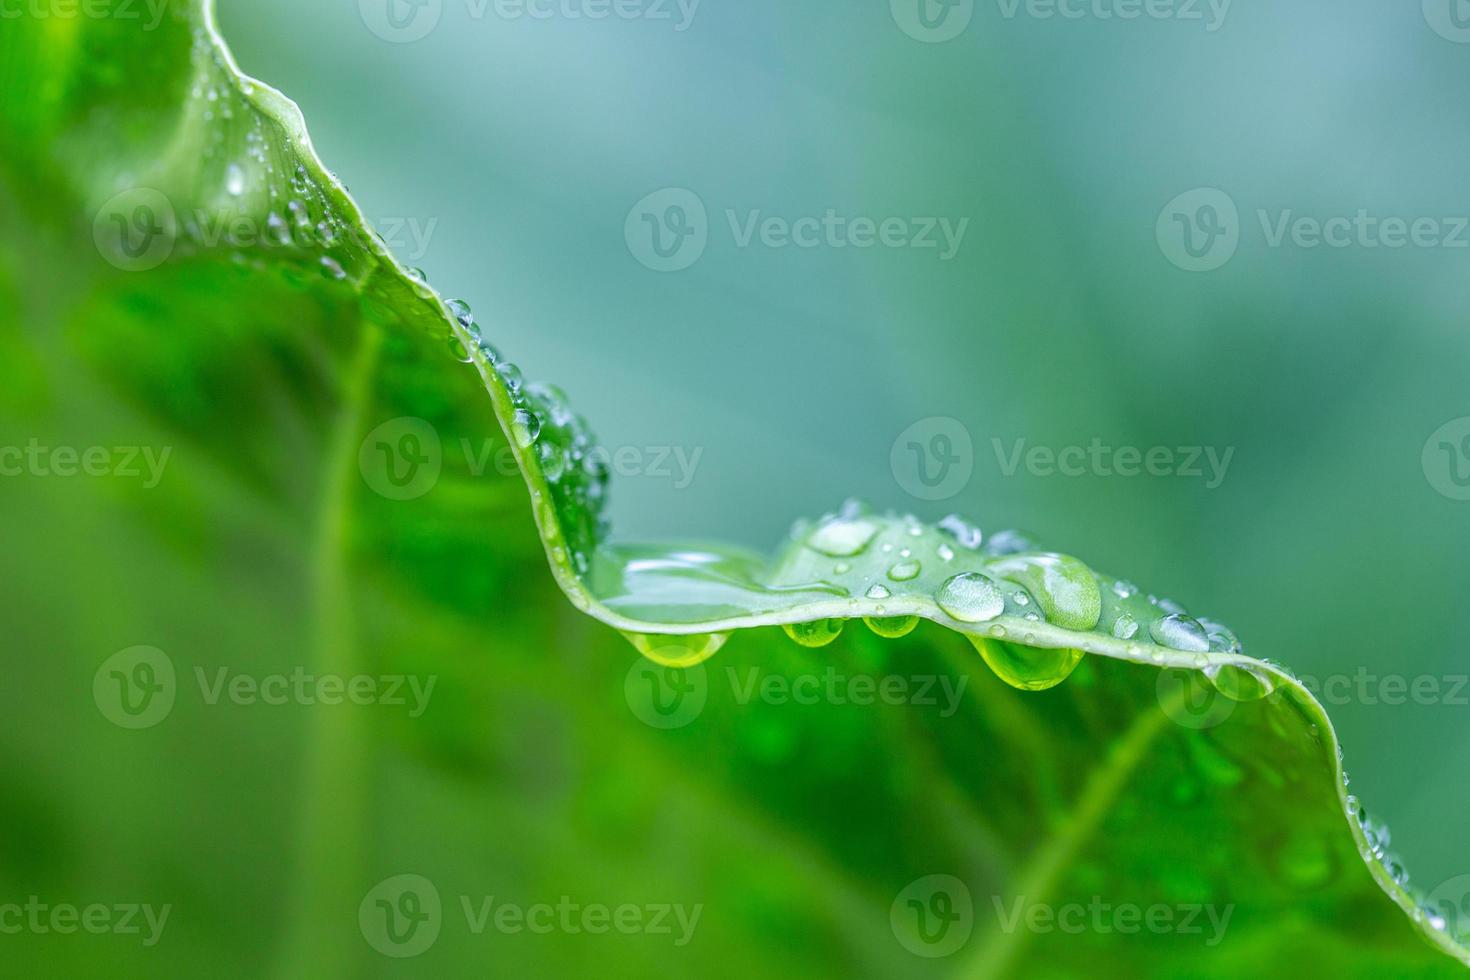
(1125, 627)
(460, 310)
(234, 180)
(841, 568)
(457, 350)
(892, 627)
(526, 427)
(815, 634)
(418, 275)
(332, 268)
(1239, 683)
(1064, 587)
(510, 374)
(1169, 606)
(878, 592)
(945, 552)
(1020, 598)
(1027, 668)
(970, 598)
(1178, 632)
(672, 651)
(968, 535)
(904, 571)
(1124, 589)
(842, 537)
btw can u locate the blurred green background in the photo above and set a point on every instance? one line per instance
(524, 142)
(512, 157)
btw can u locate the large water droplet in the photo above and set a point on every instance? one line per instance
(1065, 588)
(970, 598)
(1178, 632)
(815, 634)
(892, 627)
(1027, 668)
(677, 651)
(1239, 683)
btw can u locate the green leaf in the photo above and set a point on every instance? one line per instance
(1110, 785)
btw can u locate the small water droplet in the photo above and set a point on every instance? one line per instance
(904, 571)
(842, 537)
(878, 591)
(970, 598)
(968, 535)
(526, 427)
(332, 268)
(1125, 627)
(234, 180)
(945, 552)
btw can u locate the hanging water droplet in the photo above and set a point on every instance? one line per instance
(815, 634)
(672, 651)
(457, 350)
(1178, 632)
(970, 597)
(904, 571)
(234, 180)
(842, 537)
(460, 310)
(510, 374)
(892, 627)
(1027, 668)
(526, 427)
(878, 591)
(968, 535)
(1239, 683)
